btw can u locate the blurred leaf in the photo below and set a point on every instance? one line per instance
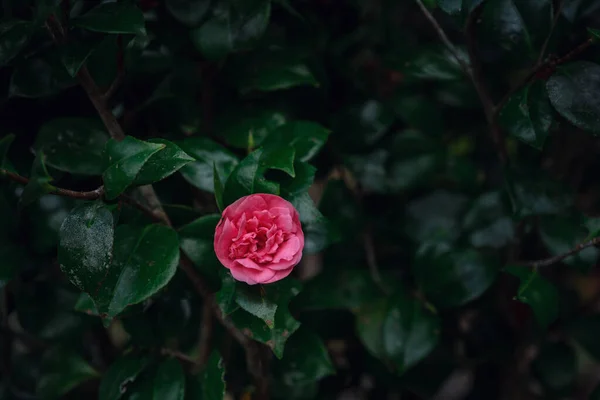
(12, 259)
(585, 330)
(488, 222)
(73, 145)
(561, 234)
(454, 7)
(218, 187)
(213, 378)
(533, 193)
(39, 77)
(436, 64)
(188, 12)
(14, 35)
(39, 181)
(306, 137)
(571, 91)
(125, 160)
(169, 381)
(5, 143)
(574, 10)
(528, 115)
(85, 250)
(556, 366)
(538, 293)
(86, 304)
(75, 53)
(209, 156)
(343, 289)
(122, 17)
(163, 163)
(234, 25)
(362, 124)
(306, 359)
(369, 170)
(120, 375)
(398, 330)
(62, 370)
(246, 129)
(453, 278)
(196, 240)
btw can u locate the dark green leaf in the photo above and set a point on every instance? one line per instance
(120, 375)
(39, 77)
(86, 246)
(5, 143)
(121, 17)
(398, 330)
(533, 193)
(125, 159)
(276, 72)
(39, 181)
(488, 222)
(538, 293)
(528, 115)
(12, 257)
(86, 305)
(305, 137)
(556, 366)
(218, 188)
(73, 145)
(62, 370)
(213, 378)
(246, 130)
(225, 297)
(209, 156)
(196, 240)
(188, 12)
(306, 359)
(437, 64)
(163, 163)
(560, 234)
(144, 261)
(169, 381)
(343, 289)
(14, 35)
(451, 279)
(234, 25)
(572, 93)
(75, 53)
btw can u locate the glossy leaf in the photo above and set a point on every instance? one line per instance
(196, 240)
(398, 330)
(116, 381)
(538, 293)
(209, 156)
(453, 278)
(125, 160)
(74, 54)
(14, 35)
(307, 138)
(85, 250)
(571, 91)
(528, 115)
(246, 130)
(169, 381)
(122, 17)
(276, 73)
(213, 378)
(188, 12)
(62, 370)
(73, 145)
(163, 163)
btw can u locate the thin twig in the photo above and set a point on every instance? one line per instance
(90, 195)
(205, 336)
(463, 64)
(554, 22)
(178, 355)
(556, 259)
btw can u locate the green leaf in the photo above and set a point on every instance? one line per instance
(39, 181)
(188, 12)
(433, 64)
(453, 278)
(248, 129)
(488, 222)
(14, 35)
(398, 330)
(538, 293)
(5, 143)
(234, 25)
(255, 300)
(163, 163)
(562, 233)
(248, 177)
(85, 249)
(169, 381)
(39, 77)
(213, 378)
(121, 17)
(73, 145)
(275, 71)
(572, 93)
(225, 297)
(144, 261)
(306, 137)
(306, 359)
(218, 188)
(338, 289)
(556, 366)
(125, 160)
(86, 305)
(62, 371)
(115, 382)
(75, 53)
(209, 157)
(196, 240)
(528, 115)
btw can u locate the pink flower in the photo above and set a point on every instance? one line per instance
(259, 238)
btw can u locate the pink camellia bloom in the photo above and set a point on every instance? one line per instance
(259, 238)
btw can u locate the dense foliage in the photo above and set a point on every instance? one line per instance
(442, 156)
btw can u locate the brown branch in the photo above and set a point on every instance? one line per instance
(556, 259)
(464, 65)
(178, 355)
(206, 332)
(91, 195)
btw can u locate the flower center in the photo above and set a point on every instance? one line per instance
(257, 240)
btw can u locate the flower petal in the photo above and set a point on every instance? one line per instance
(251, 276)
(279, 275)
